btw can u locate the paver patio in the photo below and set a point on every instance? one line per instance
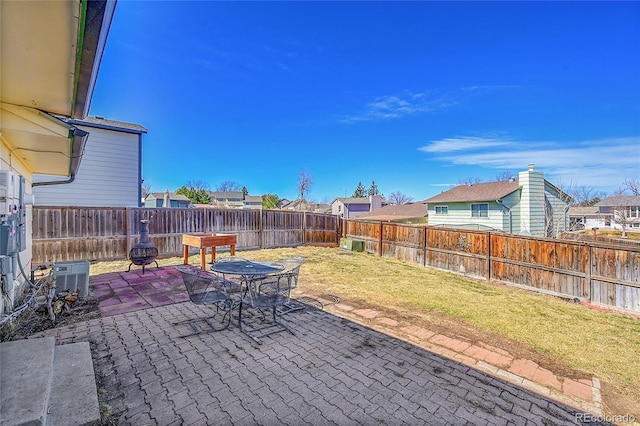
(333, 371)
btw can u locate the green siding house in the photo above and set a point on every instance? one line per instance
(529, 205)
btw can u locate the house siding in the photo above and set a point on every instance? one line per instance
(511, 217)
(560, 209)
(7, 162)
(108, 175)
(460, 216)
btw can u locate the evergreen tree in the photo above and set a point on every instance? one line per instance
(373, 189)
(245, 192)
(360, 192)
(270, 201)
(196, 196)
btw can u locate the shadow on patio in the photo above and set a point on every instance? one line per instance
(333, 371)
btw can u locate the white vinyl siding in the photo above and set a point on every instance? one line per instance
(108, 174)
(560, 211)
(459, 214)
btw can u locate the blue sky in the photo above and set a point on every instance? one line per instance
(415, 96)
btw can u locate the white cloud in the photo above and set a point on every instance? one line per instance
(600, 163)
(392, 106)
(463, 144)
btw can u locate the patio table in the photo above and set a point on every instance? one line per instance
(246, 270)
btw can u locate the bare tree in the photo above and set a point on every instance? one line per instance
(229, 186)
(584, 196)
(197, 185)
(469, 181)
(505, 176)
(622, 218)
(398, 197)
(632, 185)
(146, 189)
(622, 213)
(556, 209)
(305, 182)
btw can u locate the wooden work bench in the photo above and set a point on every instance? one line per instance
(202, 241)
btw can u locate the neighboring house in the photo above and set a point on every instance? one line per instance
(111, 170)
(304, 205)
(253, 202)
(235, 200)
(620, 212)
(352, 207)
(51, 52)
(283, 202)
(529, 205)
(227, 199)
(156, 199)
(402, 213)
(611, 213)
(585, 218)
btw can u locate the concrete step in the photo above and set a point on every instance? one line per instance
(25, 379)
(44, 384)
(73, 396)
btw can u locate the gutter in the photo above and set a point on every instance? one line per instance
(78, 140)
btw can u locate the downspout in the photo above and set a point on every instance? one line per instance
(499, 201)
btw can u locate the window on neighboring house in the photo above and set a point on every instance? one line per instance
(480, 210)
(442, 209)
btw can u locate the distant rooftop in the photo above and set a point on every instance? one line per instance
(101, 122)
(476, 192)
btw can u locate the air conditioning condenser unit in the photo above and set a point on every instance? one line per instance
(71, 275)
(350, 244)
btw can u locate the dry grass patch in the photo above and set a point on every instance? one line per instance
(567, 338)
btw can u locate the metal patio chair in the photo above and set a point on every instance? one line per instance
(292, 267)
(205, 288)
(269, 294)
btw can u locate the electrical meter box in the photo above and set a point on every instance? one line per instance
(9, 192)
(71, 275)
(8, 238)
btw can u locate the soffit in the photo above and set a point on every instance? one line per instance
(38, 45)
(41, 142)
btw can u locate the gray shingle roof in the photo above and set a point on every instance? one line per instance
(477, 192)
(354, 200)
(620, 200)
(107, 124)
(172, 196)
(398, 211)
(583, 211)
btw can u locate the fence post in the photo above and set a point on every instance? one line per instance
(127, 232)
(489, 257)
(424, 246)
(380, 242)
(304, 227)
(588, 272)
(261, 229)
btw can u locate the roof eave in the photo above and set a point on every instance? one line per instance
(92, 40)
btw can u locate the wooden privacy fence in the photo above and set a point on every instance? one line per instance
(601, 273)
(108, 233)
